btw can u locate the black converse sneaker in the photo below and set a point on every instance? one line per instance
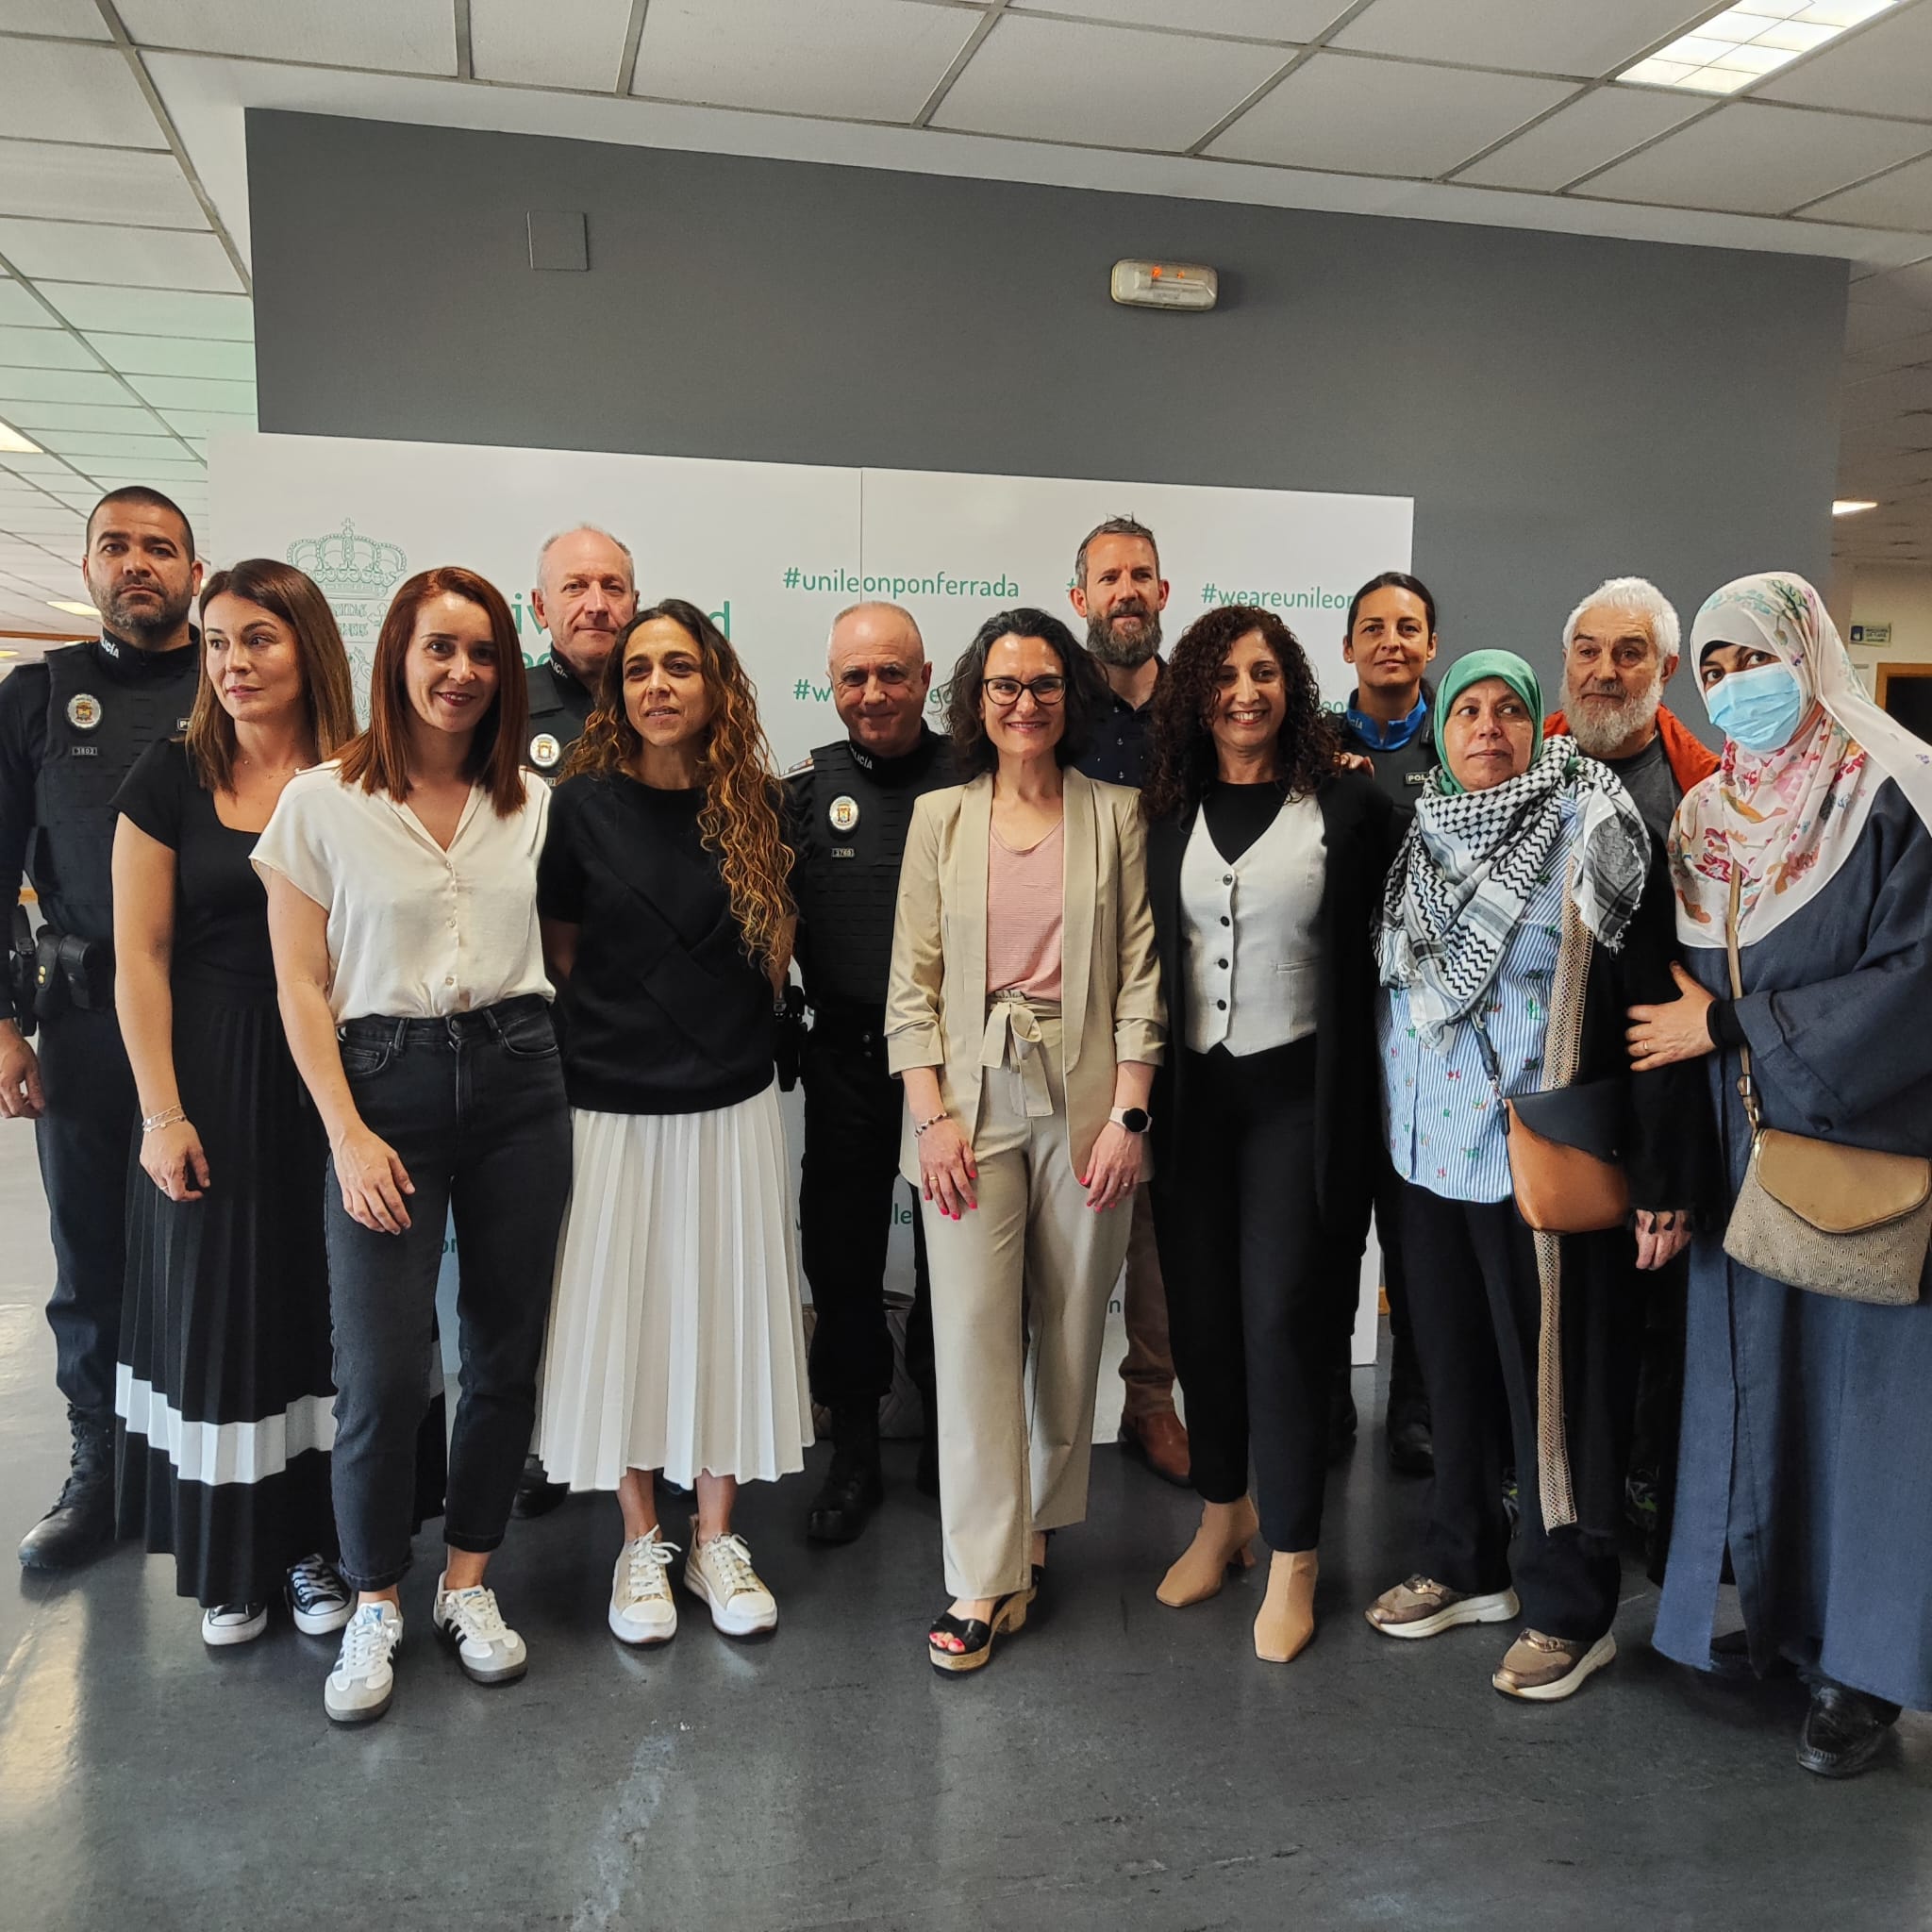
(319, 1600)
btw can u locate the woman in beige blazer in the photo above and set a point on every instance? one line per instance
(1024, 1017)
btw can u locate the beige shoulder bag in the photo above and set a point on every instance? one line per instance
(1840, 1220)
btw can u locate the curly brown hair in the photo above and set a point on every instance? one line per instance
(1183, 762)
(739, 820)
(1081, 709)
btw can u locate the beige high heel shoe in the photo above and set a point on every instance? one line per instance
(1286, 1621)
(1220, 1544)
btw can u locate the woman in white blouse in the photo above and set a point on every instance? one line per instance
(402, 884)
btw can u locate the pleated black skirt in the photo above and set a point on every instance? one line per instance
(224, 1388)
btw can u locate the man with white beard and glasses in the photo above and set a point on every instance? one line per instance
(1620, 649)
(1120, 593)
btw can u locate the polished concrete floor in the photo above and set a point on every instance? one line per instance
(1119, 1765)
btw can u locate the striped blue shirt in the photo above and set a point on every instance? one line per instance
(1444, 1123)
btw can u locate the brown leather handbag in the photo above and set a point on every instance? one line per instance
(1848, 1221)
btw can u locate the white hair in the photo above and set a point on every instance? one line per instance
(551, 542)
(898, 611)
(1634, 597)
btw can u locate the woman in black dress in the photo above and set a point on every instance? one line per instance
(224, 1390)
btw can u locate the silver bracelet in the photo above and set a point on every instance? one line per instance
(168, 1117)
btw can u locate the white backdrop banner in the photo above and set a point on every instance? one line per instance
(773, 551)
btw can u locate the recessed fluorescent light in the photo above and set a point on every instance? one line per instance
(14, 444)
(1850, 506)
(1749, 41)
(73, 610)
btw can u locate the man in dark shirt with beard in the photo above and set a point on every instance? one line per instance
(71, 730)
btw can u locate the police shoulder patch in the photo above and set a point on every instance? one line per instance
(803, 765)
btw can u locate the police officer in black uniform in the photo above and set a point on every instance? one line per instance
(586, 594)
(71, 728)
(849, 807)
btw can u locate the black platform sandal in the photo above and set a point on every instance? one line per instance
(975, 1634)
(1039, 1568)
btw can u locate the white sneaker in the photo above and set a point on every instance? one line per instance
(233, 1623)
(720, 1571)
(319, 1600)
(642, 1610)
(359, 1687)
(470, 1622)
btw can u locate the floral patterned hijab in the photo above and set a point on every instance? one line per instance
(1790, 817)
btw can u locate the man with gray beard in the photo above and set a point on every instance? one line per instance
(1120, 593)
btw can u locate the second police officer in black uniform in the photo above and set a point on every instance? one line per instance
(71, 730)
(849, 808)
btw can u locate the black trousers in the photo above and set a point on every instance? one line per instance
(82, 1138)
(853, 1113)
(1252, 1290)
(474, 1108)
(1408, 1395)
(1477, 1311)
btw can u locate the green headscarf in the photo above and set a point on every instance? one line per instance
(1471, 670)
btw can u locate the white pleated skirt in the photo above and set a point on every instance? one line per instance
(675, 1341)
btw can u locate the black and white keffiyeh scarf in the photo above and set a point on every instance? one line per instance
(1472, 863)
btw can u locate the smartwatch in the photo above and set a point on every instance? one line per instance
(1134, 1119)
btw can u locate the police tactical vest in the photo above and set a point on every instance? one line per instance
(559, 706)
(98, 727)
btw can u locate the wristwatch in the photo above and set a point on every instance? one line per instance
(1134, 1119)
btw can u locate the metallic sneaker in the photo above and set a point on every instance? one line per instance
(319, 1600)
(1543, 1669)
(359, 1687)
(1424, 1607)
(468, 1621)
(720, 1571)
(233, 1623)
(642, 1610)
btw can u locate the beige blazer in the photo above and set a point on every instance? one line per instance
(1110, 1006)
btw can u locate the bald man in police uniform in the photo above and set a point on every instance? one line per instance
(71, 730)
(849, 807)
(586, 594)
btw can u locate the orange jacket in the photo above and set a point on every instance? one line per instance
(1689, 758)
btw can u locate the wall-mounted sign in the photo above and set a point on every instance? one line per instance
(1872, 635)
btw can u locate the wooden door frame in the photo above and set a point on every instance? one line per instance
(1887, 672)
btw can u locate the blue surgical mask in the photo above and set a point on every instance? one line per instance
(1760, 709)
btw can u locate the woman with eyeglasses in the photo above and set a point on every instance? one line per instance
(1024, 1017)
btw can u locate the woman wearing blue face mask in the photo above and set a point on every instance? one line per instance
(1807, 1435)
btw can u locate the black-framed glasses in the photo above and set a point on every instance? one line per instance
(1004, 691)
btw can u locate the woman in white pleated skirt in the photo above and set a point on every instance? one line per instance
(675, 1338)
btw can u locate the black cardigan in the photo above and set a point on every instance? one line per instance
(1362, 831)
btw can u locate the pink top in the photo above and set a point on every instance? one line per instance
(1025, 893)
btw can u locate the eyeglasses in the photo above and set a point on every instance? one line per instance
(1004, 691)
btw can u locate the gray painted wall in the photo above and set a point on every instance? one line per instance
(1561, 408)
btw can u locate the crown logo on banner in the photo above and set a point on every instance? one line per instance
(347, 564)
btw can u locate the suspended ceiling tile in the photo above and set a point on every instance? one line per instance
(1108, 86)
(128, 257)
(1886, 68)
(574, 44)
(1870, 323)
(59, 180)
(18, 307)
(198, 392)
(1753, 160)
(391, 36)
(199, 424)
(92, 385)
(861, 60)
(78, 443)
(73, 20)
(1384, 117)
(1581, 37)
(1901, 353)
(43, 348)
(129, 420)
(172, 355)
(1911, 286)
(62, 91)
(1902, 199)
(1589, 133)
(1290, 21)
(151, 311)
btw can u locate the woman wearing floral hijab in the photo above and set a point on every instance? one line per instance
(1529, 906)
(1807, 1455)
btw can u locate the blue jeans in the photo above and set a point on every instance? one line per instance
(473, 1106)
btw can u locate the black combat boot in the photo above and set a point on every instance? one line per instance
(81, 1523)
(852, 1488)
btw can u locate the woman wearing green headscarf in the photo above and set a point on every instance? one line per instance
(1527, 909)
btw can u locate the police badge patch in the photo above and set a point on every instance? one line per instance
(83, 710)
(843, 812)
(544, 751)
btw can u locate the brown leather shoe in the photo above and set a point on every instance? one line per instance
(1159, 1441)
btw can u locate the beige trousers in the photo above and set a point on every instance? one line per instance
(1019, 1286)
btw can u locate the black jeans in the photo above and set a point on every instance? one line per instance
(83, 1139)
(1253, 1297)
(1409, 1397)
(474, 1108)
(847, 1187)
(1477, 1309)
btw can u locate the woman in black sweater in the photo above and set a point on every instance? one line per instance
(675, 1336)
